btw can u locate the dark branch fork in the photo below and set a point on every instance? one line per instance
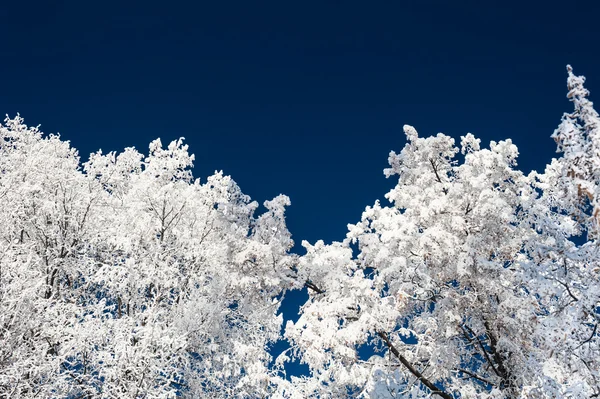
(437, 176)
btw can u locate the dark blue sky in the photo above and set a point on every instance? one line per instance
(301, 98)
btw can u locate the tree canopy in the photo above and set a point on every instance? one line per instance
(125, 277)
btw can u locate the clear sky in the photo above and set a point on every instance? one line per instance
(301, 98)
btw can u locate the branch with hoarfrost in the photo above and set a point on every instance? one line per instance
(433, 388)
(472, 278)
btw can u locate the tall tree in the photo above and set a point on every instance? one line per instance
(471, 283)
(128, 278)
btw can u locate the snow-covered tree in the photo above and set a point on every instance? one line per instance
(127, 278)
(470, 284)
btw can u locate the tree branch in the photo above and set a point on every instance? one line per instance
(437, 176)
(313, 287)
(505, 374)
(591, 336)
(434, 389)
(485, 352)
(475, 376)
